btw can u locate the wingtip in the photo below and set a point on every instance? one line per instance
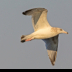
(52, 55)
(53, 63)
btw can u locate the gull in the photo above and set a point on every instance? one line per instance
(43, 30)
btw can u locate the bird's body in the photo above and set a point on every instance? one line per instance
(42, 34)
(43, 30)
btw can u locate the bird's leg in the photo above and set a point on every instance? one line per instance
(24, 38)
(28, 39)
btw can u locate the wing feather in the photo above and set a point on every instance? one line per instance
(39, 17)
(52, 47)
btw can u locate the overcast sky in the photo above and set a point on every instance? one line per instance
(33, 54)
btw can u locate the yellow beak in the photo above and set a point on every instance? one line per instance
(65, 32)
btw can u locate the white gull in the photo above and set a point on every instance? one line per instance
(43, 30)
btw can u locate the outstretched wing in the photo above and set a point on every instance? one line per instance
(39, 17)
(52, 46)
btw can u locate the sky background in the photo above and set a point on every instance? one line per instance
(33, 54)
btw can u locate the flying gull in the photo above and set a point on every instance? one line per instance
(43, 30)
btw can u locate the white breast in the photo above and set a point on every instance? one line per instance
(44, 33)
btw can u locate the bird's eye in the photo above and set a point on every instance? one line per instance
(60, 29)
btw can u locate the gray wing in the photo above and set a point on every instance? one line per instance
(52, 46)
(39, 17)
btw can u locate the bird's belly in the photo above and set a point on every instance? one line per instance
(44, 34)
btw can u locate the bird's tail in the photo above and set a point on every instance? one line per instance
(25, 38)
(22, 38)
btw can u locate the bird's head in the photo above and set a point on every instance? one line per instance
(59, 30)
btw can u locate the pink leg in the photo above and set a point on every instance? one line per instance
(28, 40)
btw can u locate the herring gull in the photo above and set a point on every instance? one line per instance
(43, 30)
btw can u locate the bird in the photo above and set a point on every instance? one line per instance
(44, 31)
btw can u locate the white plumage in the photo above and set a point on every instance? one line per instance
(43, 31)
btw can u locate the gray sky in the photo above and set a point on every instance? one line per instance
(33, 54)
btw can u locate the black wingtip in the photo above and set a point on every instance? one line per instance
(27, 12)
